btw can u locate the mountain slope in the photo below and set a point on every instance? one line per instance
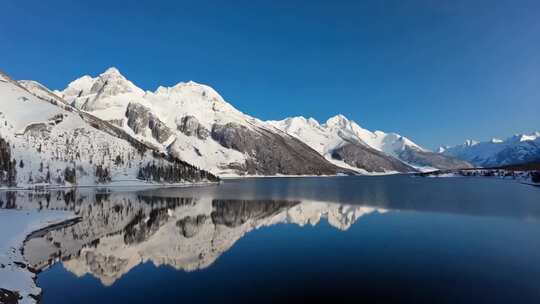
(427, 159)
(521, 148)
(371, 151)
(194, 123)
(44, 141)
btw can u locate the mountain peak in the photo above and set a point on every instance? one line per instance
(338, 120)
(441, 149)
(193, 91)
(312, 121)
(88, 92)
(470, 142)
(523, 137)
(295, 118)
(81, 84)
(84, 78)
(527, 137)
(112, 71)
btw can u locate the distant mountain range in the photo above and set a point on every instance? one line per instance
(103, 121)
(346, 144)
(518, 149)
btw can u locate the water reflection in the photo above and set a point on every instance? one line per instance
(189, 229)
(117, 231)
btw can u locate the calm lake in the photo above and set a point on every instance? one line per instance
(388, 239)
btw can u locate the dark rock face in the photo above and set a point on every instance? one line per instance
(140, 117)
(234, 136)
(159, 130)
(190, 226)
(272, 153)
(369, 159)
(431, 159)
(190, 126)
(234, 213)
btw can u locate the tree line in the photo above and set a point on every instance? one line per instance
(173, 172)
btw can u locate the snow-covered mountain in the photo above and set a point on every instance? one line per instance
(517, 149)
(193, 122)
(44, 141)
(339, 137)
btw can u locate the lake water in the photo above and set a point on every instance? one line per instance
(392, 239)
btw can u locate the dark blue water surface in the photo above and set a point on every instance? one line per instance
(393, 239)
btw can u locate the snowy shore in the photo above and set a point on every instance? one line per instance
(15, 277)
(125, 184)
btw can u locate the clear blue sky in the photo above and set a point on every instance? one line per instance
(436, 71)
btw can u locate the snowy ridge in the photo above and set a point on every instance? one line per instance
(108, 95)
(337, 129)
(517, 149)
(42, 92)
(194, 123)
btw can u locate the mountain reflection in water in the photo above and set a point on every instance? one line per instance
(392, 239)
(118, 231)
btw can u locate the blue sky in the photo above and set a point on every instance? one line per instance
(436, 71)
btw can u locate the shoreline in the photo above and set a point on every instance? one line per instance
(227, 177)
(19, 279)
(137, 184)
(109, 186)
(525, 177)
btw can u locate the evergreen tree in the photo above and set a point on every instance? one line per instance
(174, 172)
